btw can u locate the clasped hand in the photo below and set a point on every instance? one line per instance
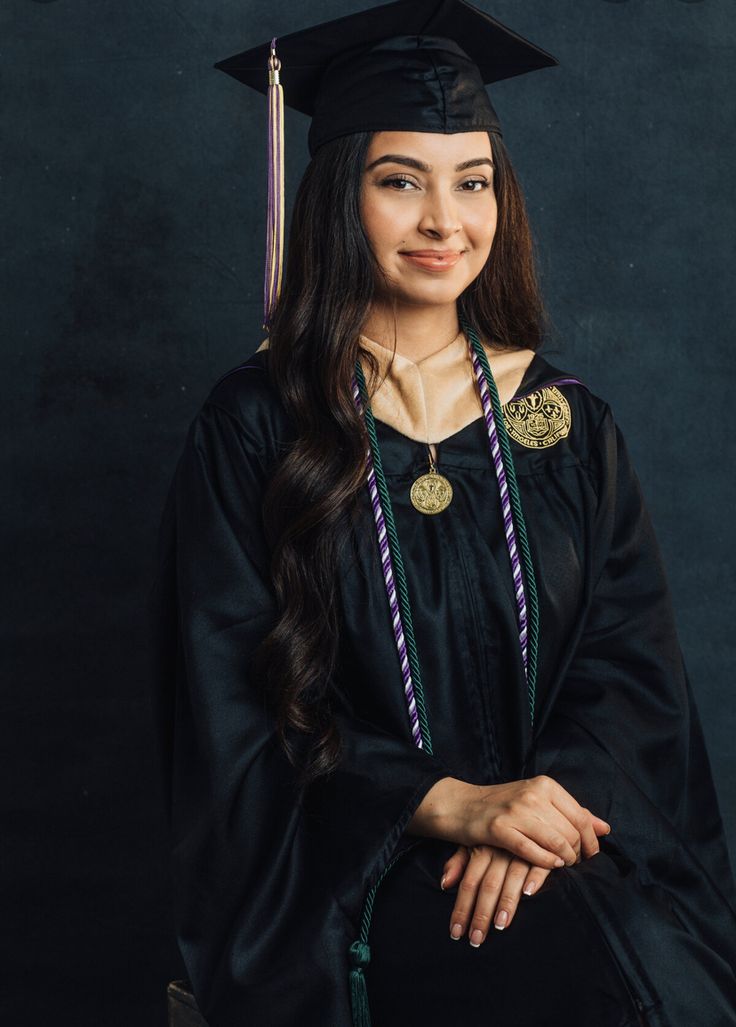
(511, 836)
(491, 883)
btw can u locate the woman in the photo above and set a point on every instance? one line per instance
(416, 646)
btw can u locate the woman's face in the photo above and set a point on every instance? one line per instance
(427, 191)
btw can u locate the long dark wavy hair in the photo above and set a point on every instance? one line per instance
(330, 279)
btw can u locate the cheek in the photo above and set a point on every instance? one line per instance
(383, 221)
(386, 222)
(481, 225)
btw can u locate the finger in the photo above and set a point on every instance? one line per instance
(489, 893)
(502, 904)
(588, 840)
(480, 859)
(586, 822)
(533, 812)
(553, 818)
(592, 828)
(588, 837)
(551, 832)
(535, 879)
(600, 826)
(454, 867)
(518, 843)
(578, 815)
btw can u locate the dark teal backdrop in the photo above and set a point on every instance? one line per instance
(132, 191)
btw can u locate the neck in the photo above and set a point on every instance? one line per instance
(419, 331)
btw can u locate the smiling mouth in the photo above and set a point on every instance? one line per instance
(433, 261)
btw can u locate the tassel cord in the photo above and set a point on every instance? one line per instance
(275, 210)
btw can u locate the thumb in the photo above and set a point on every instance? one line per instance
(454, 867)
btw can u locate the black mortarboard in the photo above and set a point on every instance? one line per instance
(414, 66)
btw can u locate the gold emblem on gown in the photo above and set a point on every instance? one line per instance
(539, 419)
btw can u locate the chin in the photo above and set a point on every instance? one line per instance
(436, 291)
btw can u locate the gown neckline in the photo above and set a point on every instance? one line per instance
(442, 444)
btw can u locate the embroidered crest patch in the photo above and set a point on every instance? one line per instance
(538, 420)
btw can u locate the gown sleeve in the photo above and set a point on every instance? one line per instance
(624, 734)
(263, 919)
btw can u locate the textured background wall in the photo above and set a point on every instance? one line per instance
(133, 180)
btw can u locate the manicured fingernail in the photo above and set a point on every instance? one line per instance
(457, 930)
(530, 888)
(501, 919)
(559, 861)
(442, 882)
(476, 938)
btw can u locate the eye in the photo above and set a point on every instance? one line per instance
(482, 182)
(397, 178)
(398, 181)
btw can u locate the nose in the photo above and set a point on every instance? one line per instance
(440, 216)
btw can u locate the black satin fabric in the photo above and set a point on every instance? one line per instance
(549, 967)
(269, 886)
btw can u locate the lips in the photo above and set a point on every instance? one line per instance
(432, 260)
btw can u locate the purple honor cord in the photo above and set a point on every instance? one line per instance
(389, 580)
(387, 563)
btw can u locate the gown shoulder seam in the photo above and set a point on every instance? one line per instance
(257, 446)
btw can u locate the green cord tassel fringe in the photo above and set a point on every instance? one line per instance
(360, 955)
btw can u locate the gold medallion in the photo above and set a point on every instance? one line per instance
(431, 493)
(538, 420)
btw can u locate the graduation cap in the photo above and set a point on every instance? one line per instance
(413, 66)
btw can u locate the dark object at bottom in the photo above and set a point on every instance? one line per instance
(183, 1010)
(549, 967)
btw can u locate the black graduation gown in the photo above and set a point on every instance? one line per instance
(269, 891)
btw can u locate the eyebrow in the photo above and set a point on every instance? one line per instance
(412, 162)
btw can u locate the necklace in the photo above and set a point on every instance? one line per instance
(431, 493)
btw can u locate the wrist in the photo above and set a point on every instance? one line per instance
(440, 813)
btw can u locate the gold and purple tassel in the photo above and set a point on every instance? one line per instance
(275, 215)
